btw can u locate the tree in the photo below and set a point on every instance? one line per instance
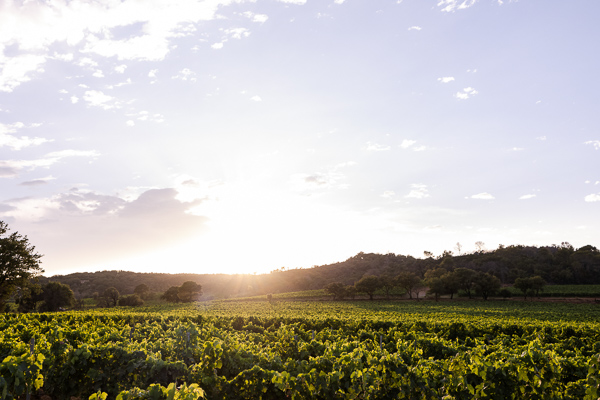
(368, 284)
(142, 290)
(109, 298)
(56, 295)
(433, 280)
(532, 285)
(133, 300)
(486, 284)
(409, 282)
(387, 283)
(466, 279)
(524, 285)
(189, 291)
(337, 290)
(18, 263)
(171, 295)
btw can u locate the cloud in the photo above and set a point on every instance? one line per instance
(407, 143)
(217, 46)
(377, 147)
(592, 197)
(483, 196)
(453, 5)
(595, 143)
(466, 93)
(260, 18)
(256, 98)
(527, 197)
(542, 138)
(517, 149)
(298, 2)
(446, 79)
(37, 182)
(419, 191)
(126, 30)
(11, 168)
(415, 28)
(17, 143)
(96, 98)
(121, 68)
(16, 70)
(388, 194)
(79, 226)
(185, 75)
(145, 116)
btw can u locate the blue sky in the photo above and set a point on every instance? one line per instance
(245, 136)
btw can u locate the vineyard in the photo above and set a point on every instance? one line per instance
(306, 350)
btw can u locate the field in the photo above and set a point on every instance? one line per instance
(306, 350)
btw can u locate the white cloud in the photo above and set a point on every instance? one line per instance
(407, 143)
(595, 143)
(483, 196)
(217, 46)
(261, 18)
(16, 70)
(237, 33)
(542, 138)
(377, 147)
(419, 191)
(186, 74)
(466, 93)
(152, 73)
(453, 5)
(592, 197)
(74, 99)
(256, 98)
(388, 194)
(96, 98)
(130, 123)
(339, 1)
(35, 26)
(446, 79)
(527, 197)
(299, 2)
(17, 143)
(120, 68)
(415, 28)
(145, 116)
(517, 149)
(98, 74)
(11, 168)
(420, 148)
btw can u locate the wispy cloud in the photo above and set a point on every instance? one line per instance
(595, 143)
(388, 194)
(17, 143)
(592, 197)
(419, 191)
(12, 168)
(446, 79)
(466, 93)
(96, 98)
(406, 143)
(377, 147)
(415, 28)
(527, 197)
(185, 74)
(453, 5)
(483, 196)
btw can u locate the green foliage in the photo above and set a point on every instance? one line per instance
(306, 350)
(132, 300)
(368, 284)
(18, 262)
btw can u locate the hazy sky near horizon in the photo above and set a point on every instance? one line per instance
(243, 136)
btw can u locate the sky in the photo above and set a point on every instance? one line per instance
(243, 136)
